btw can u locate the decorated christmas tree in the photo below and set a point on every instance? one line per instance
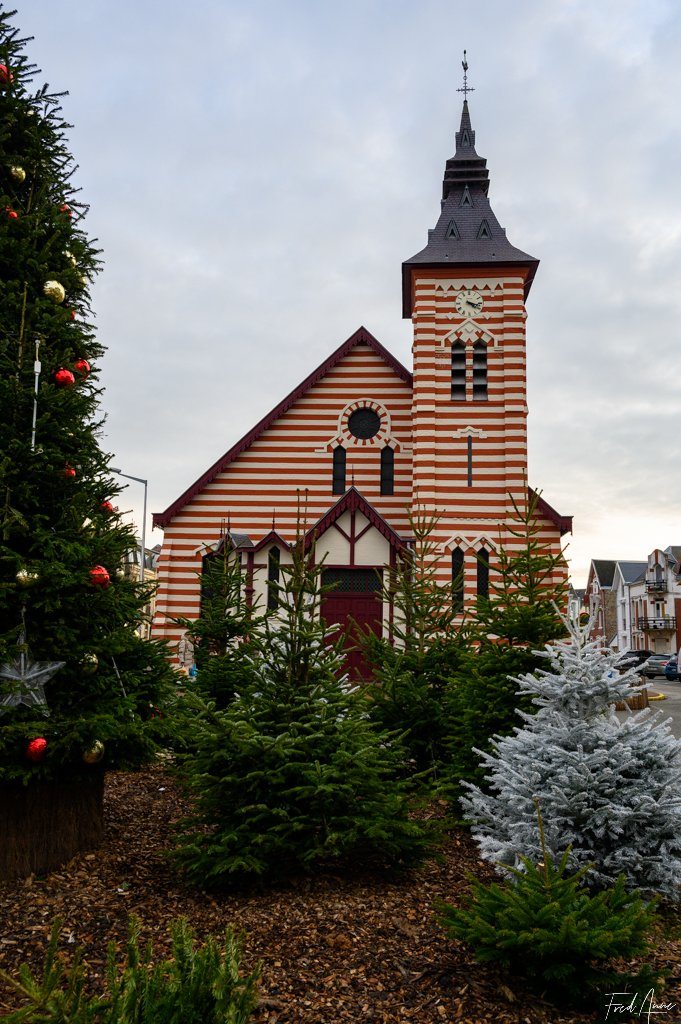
(607, 787)
(78, 685)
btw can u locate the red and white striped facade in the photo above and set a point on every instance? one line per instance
(461, 459)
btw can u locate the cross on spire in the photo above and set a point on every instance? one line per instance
(466, 87)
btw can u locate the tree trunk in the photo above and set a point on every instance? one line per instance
(44, 825)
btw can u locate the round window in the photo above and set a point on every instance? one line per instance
(364, 423)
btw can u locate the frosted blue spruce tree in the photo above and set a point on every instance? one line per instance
(608, 788)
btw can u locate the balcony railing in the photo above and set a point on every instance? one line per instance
(661, 625)
(656, 586)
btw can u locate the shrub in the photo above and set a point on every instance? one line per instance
(547, 927)
(427, 642)
(293, 773)
(197, 986)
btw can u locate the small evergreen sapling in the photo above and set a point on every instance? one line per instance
(293, 773)
(609, 789)
(223, 635)
(546, 926)
(196, 986)
(427, 643)
(481, 700)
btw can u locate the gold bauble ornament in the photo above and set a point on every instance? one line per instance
(18, 173)
(54, 290)
(25, 577)
(94, 753)
(70, 257)
(89, 663)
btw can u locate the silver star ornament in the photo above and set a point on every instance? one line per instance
(29, 678)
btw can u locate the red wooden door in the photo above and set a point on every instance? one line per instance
(355, 601)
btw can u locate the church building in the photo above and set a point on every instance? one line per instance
(363, 441)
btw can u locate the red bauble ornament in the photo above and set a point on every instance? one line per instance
(72, 314)
(69, 471)
(5, 75)
(107, 506)
(64, 378)
(99, 577)
(35, 751)
(12, 214)
(66, 209)
(82, 367)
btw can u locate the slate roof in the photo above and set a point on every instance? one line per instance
(632, 571)
(604, 568)
(467, 231)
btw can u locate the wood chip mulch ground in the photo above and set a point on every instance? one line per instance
(333, 949)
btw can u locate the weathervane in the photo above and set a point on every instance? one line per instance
(466, 87)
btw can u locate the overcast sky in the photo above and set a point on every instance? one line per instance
(258, 171)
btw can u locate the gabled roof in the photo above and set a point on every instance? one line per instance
(352, 501)
(360, 337)
(235, 541)
(604, 570)
(272, 538)
(563, 523)
(632, 571)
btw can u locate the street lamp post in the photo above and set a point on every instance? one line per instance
(143, 544)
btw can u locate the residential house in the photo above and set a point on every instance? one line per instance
(656, 603)
(600, 600)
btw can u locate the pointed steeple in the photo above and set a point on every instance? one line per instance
(465, 167)
(467, 232)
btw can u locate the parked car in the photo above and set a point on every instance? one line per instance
(671, 670)
(632, 659)
(655, 665)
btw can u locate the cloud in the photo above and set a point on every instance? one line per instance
(257, 173)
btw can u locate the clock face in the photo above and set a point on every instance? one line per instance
(469, 303)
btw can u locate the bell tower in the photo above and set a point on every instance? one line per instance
(465, 293)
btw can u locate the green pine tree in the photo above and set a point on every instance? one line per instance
(292, 773)
(529, 586)
(429, 641)
(199, 984)
(64, 599)
(520, 615)
(545, 926)
(224, 634)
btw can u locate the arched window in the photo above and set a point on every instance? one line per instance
(479, 371)
(457, 580)
(273, 566)
(458, 371)
(338, 486)
(387, 470)
(483, 572)
(206, 591)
